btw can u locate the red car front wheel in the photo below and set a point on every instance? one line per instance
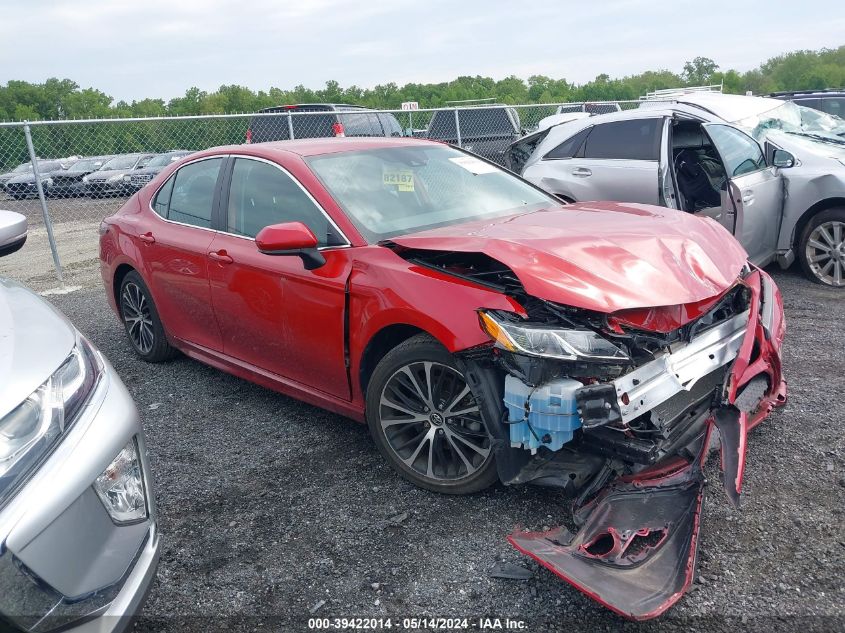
(426, 421)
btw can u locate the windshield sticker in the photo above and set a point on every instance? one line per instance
(403, 179)
(474, 165)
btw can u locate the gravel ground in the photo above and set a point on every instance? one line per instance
(271, 509)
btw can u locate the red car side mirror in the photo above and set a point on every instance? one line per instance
(290, 238)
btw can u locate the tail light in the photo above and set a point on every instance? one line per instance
(337, 128)
(249, 135)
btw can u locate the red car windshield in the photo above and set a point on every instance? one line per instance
(398, 190)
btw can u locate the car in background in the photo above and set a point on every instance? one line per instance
(486, 131)
(137, 178)
(729, 157)
(17, 171)
(829, 101)
(482, 329)
(521, 149)
(336, 120)
(108, 180)
(79, 543)
(24, 184)
(68, 183)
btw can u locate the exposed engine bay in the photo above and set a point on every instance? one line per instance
(617, 410)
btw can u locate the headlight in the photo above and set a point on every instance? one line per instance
(85, 179)
(121, 487)
(548, 341)
(127, 178)
(32, 429)
(47, 182)
(116, 177)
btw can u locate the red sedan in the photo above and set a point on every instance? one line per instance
(482, 329)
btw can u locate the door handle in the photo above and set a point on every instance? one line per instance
(583, 172)
(147, 238)
(221, 257)
(747, 197)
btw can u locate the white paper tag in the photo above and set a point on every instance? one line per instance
(474, 165)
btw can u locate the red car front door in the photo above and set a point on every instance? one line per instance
(175, 253)
(272, 313)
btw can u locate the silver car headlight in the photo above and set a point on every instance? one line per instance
(116, 177)
(85, 179)
(31, 430)
(549, 341)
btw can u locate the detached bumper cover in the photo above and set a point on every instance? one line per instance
(635, 551)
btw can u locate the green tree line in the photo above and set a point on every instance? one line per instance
(64, 99)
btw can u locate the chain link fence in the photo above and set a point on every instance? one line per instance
(66, 176)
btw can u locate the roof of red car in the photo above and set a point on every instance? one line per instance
(315, 146)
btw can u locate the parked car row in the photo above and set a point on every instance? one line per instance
(93, 176)
(484, 130)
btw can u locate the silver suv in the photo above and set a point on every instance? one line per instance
(772, 172)
(78, 539)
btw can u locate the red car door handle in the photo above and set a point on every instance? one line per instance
(221, 257)
(147, 237)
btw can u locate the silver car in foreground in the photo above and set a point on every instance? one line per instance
(78, 539)
(772, 173)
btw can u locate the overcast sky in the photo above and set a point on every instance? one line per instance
(159, 48)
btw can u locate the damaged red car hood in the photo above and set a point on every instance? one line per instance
(602, 256)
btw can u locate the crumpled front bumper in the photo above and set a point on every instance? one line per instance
(635, 551)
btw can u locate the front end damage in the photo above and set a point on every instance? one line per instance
(618, 410)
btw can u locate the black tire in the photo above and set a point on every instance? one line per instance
(455, 466)
(822, 266)
(146, 335)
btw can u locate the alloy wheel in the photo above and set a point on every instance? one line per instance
(137, 317)
(432, 423)
(825, 252)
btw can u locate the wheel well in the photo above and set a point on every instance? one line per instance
(822, 205)
(382, 342)
(119, 274)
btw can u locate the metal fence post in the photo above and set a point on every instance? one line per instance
(411, 121)
(290, 125)
(44, 212)
(458, 128)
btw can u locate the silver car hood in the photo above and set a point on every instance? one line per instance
(803, 145)
(35, 339)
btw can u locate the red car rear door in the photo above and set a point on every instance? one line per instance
(274, 314)
(174, 250)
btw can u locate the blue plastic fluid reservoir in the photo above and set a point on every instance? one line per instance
(547, 412)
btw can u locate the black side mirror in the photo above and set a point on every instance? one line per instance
(781, 158)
